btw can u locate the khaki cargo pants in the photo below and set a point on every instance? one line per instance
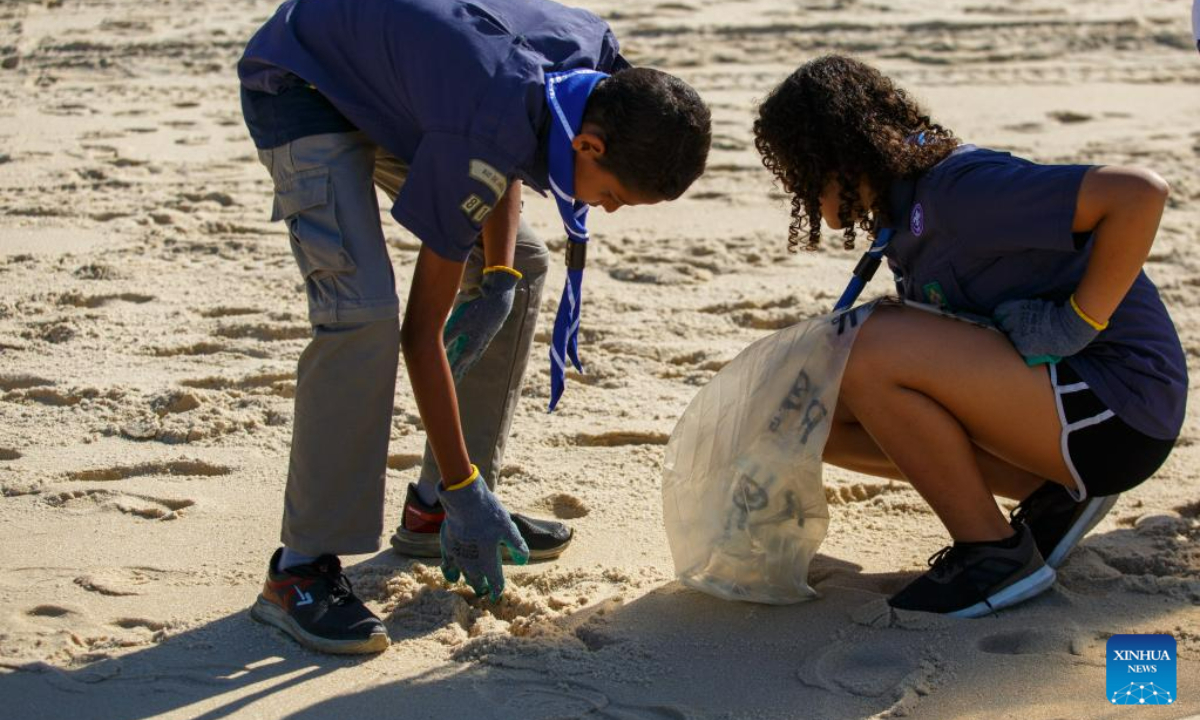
(345, 381)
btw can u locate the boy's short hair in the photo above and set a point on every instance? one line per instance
(656, 130)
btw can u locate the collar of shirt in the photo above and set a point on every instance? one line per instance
(537, 174)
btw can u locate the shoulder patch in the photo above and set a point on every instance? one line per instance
(475, 208)
(488, 175)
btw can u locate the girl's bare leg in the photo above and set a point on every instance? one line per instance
(948, 404)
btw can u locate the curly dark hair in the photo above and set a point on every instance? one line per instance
(656, 130)
(836, 118)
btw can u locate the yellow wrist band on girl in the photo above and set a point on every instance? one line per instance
(503, 268)
(1097, 326)
(474, 476)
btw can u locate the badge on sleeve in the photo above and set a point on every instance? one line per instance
(488, 175)
(475, 208)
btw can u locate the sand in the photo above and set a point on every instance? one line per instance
(151, 318)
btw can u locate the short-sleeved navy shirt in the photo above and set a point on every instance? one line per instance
(982, 227)
(455, 88)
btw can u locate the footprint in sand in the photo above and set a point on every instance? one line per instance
(149, 507)
(1069, 117)
(198, 348)
(63, 631)
(120, 582)
(76, 299)
(620, 438)
(766, 314)
(22, 382)
(1025, 127)
(282, 384)
(709, 195)
(650, 274)
(539, 700)
(136, 623)
(224, 311)
(697, 360)
(1035, 642)
(565, 507)
(176, 468)
(52, 611)
(866, 670)
(404, 461)
(53, 396)
(143, 506)
(858, 492)
(96, 271)
(264, 332)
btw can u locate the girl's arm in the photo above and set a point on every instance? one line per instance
(434, 285)
(1122, 207)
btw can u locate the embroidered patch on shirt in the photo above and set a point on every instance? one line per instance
(917, 220)
(934, 294)
(475, 208)
(489, 176)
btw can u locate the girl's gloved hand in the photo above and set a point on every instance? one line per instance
(473, 324)
(475, 527)
(1043, 331)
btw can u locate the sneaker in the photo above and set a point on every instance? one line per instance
(421, 524)
(315, 604)
(1059, 522)
(970, 580)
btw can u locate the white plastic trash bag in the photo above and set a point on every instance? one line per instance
(743, 500)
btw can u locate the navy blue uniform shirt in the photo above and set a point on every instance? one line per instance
(453, 88)
(982, 227)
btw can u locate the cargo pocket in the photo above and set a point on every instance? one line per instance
(306, 202)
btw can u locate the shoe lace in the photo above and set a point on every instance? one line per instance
(1032, 506)
(340, 589)
(1020, 513)
(945, 560)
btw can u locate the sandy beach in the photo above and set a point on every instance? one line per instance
(151, 318)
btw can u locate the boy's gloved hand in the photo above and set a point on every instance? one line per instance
(1043, 331)
(476, 525)
(473, 324)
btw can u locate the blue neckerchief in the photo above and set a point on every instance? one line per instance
(567, 94)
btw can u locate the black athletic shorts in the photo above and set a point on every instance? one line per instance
(1105, 454)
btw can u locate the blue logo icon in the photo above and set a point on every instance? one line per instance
(1141, 669)
(917, 220)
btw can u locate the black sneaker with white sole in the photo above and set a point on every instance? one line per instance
(1058, 521)
(316, 605)
(974, 579)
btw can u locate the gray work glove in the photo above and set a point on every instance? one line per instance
(475, 527)
(473, 324)
(1042, 331)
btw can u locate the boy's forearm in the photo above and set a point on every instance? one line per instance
(437, 403)
(500, 228)
(434, 285)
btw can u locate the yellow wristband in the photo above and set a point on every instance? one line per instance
(503, 268)
(1097, 326)
(468, 481)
